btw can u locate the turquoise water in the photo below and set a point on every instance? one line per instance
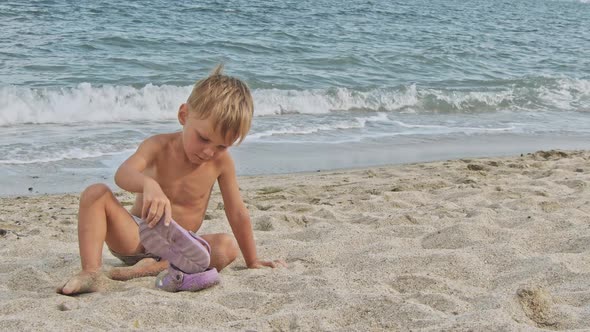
(336, 84)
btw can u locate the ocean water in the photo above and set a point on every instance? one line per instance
(335, 84)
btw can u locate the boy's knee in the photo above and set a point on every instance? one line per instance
(231, 247)
(94, 192)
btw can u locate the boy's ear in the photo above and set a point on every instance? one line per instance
(182, 114)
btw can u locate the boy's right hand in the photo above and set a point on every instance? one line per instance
(155, 204)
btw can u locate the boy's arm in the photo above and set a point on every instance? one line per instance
(238, 216)
(130, 177)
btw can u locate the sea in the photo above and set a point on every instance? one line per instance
(336, 84)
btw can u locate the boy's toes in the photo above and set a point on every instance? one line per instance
(81, 283)
(67, 289)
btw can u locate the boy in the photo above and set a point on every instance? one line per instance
(173, 175)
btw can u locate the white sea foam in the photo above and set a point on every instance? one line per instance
(323, 101)
(454, 128)
(303, 130)
(71, 154)
(567, 94)
(311, 128)
(87, 103)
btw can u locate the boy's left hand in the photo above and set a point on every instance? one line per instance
(258, 264)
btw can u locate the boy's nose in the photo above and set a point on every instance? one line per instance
(209, 152)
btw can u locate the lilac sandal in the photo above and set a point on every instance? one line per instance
(184, 250)
(173, 280)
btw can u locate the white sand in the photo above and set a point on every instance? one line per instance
(489, 244)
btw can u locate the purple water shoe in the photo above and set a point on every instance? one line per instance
(173, 280)
(184, 250)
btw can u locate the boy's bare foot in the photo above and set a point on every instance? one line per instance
(144, 268)
(83, 282)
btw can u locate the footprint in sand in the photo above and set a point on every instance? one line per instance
(549, 207)
(536, 302)
(457, 237)
(443, 302)
(264, 224)
(574, 184)
(244, 300)
(28, 278)
(414, 283)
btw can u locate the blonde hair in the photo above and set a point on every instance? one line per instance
(227, 100)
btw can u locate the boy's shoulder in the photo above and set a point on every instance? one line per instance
(161, 139)
(153, 146)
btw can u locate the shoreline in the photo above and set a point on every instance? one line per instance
(487, 243)
(267, 159)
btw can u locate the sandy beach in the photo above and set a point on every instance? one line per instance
(495, 244)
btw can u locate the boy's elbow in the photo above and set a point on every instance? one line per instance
(118, 177)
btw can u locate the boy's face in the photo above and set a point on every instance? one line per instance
(201, 141)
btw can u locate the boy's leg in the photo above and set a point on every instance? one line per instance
(224, 249)
(143, 268)
(101, 218)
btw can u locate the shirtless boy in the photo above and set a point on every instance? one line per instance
(173, 175)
